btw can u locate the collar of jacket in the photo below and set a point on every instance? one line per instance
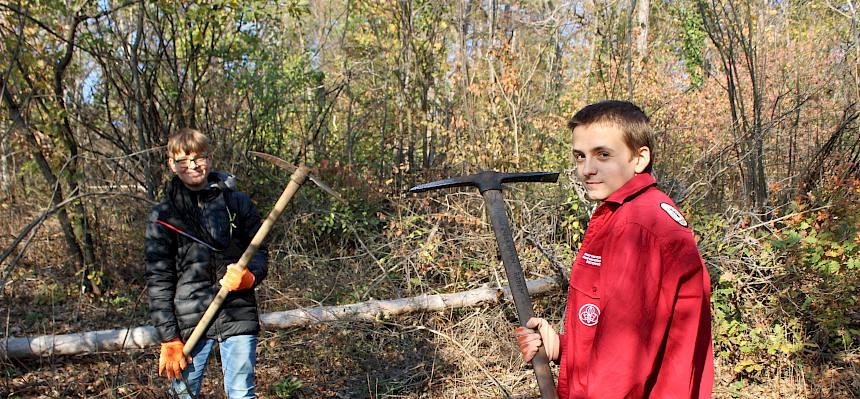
(222, 180)
(216, 182)
(634, 186)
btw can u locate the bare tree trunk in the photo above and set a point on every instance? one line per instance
(7, 152)
(406, 66)
(47, 173)
(792, 137)
(426, 141)
(383, 130)
(149, 176)
(643, 24)
(592, 52)
(730, 28)
(461, 133)
(5, 170)
(855, 33)
(348, 134)
(81, 219)
(630, 32)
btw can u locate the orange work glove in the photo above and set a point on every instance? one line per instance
(237, 278)
(172, 361)
(529, 341)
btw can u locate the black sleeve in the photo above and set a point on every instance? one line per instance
(249, 223)
(159, 253)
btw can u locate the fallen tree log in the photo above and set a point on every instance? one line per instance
(145, 336)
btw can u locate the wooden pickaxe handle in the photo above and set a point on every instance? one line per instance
(296, 179)
(517, 283)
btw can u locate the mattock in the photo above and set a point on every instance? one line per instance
(299, 176)
(489, 183)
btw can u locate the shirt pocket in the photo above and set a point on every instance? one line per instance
(584, 295)
(585, 280)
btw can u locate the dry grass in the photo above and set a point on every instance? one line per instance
(431, 244)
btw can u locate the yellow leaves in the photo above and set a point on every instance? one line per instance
(748, 366)
(461, 219)
(427, 251)
(547, 123)
(774, 186)
(509, 81)
(835, 252)
(458, 122)
(31, 30)
(476, 89)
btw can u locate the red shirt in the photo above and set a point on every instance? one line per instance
(638, 320)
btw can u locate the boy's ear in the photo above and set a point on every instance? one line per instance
(643, 158)
(171, 164)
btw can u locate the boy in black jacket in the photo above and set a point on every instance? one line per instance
(194, 235)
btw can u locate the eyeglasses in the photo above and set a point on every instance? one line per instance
(198, 161)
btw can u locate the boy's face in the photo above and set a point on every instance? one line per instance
(192, 168)
(604, 163)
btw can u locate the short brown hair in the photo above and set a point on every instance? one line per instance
(632, 121)
(187, 140)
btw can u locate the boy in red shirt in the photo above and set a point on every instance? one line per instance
(638, 319)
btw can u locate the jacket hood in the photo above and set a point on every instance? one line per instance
(222, 180)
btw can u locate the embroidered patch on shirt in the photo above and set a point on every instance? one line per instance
(589, 314)
(590, 259)
(674, 214)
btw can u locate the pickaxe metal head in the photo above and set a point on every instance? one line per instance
(291, 168)
(487, 180)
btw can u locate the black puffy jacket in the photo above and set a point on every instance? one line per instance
(182, 273)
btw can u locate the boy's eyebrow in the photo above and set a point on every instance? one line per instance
(595, 149)
(601, 148)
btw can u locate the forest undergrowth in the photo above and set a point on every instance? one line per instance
(785, 314)
(754, 109)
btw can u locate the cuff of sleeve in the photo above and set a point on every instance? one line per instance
(172, 335)
(561, 345)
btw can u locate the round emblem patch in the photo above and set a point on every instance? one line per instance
(589, 314)
(674, 214)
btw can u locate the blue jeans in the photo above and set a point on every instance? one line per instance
(238, 357)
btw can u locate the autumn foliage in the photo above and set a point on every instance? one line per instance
(755, 105)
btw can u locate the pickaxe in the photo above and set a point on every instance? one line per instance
(300, 174)
(489, 183)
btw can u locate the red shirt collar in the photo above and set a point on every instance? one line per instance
(634, 186)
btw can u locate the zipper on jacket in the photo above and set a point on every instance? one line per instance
(204, 221)
(213, 267)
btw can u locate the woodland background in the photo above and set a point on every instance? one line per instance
(755, 104)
